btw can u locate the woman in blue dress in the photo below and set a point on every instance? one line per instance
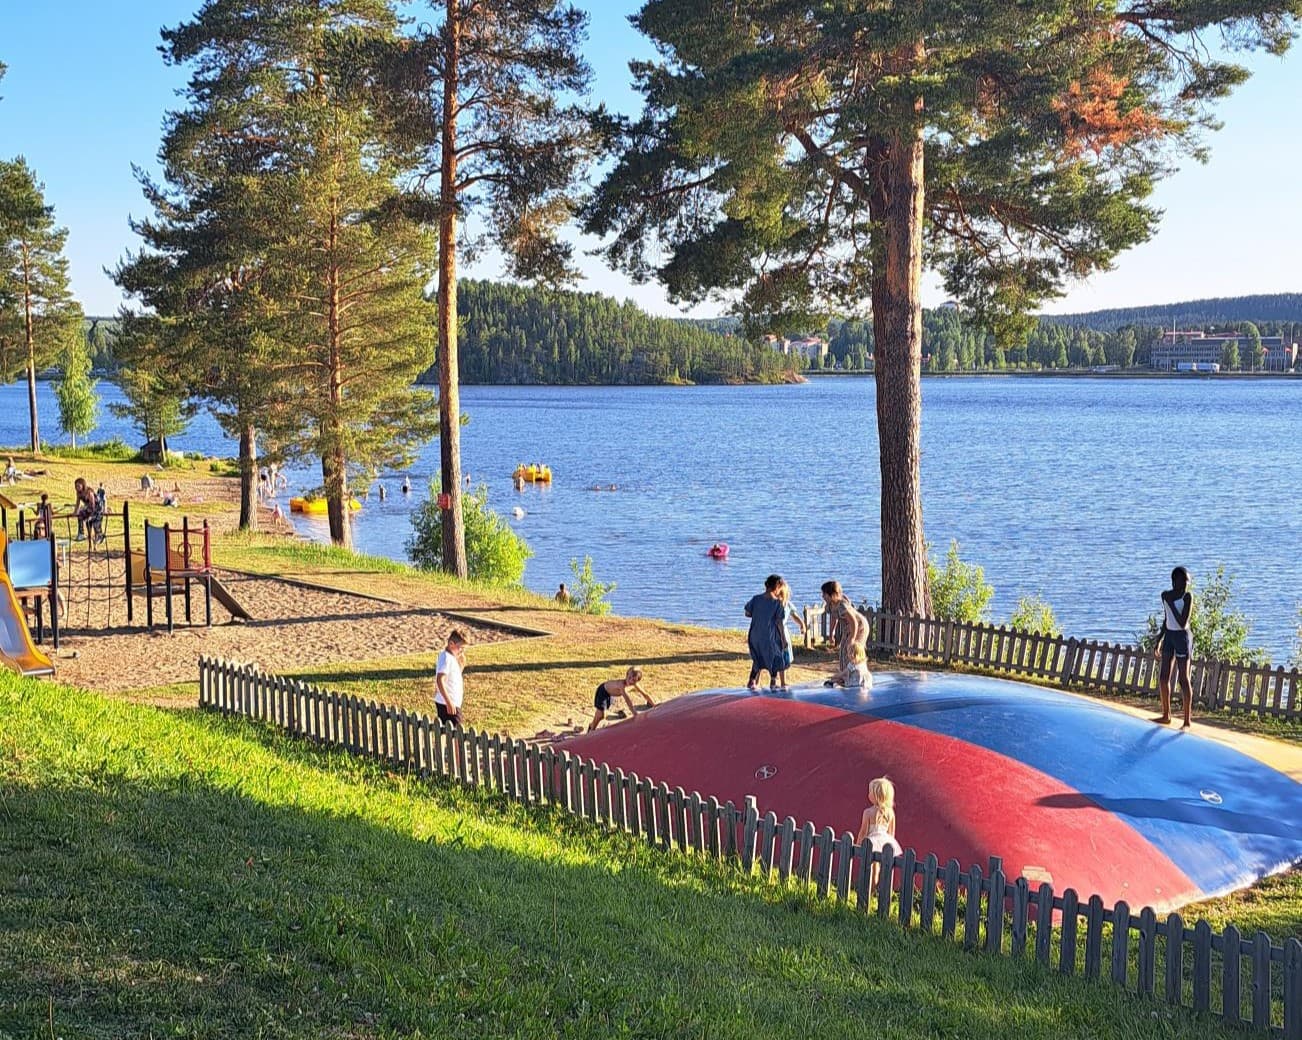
(767, 613)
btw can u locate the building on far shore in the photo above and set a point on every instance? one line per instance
(812, 348)
(1178, 349)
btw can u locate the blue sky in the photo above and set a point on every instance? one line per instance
(86, 92)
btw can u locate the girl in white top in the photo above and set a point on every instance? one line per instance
(878, 823)
(1175, 645)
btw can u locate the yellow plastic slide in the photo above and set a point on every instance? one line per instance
(17, 651)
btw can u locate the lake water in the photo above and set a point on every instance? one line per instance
(1087, 491)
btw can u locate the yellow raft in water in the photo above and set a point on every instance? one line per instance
(317, 506)
(533, 474)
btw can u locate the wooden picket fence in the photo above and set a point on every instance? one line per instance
(1083, 664)
(1249, 981)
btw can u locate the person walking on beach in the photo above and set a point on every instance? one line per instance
(449, 685)
(764, 640)
(1175, 645)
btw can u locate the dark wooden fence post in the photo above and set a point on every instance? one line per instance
(1293, 986)
(995, 908)
(1069, 662)
(1174, 930)
(750, 828)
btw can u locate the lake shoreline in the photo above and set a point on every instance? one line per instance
(1070, 373)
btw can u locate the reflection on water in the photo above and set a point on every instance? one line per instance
(1087, 491)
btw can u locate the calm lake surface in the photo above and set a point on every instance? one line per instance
(1087, 491)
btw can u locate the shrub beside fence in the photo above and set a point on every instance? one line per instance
(1088, 664)
(1246, 980)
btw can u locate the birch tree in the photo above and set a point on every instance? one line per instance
(41, 313)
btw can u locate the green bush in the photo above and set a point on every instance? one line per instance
(1034, 614)
(494, 553)
(589, 593)
(1220, 630)
(959, 591)
(115, 450)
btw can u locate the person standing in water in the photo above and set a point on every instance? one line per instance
(1175, 645)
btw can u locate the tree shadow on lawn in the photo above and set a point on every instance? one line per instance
(139, 909)
(425, 669)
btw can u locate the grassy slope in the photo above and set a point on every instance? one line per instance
(182, 874)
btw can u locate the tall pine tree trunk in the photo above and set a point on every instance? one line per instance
(30, 334)
(897, 207)
(334, 464)
(248, 478)
(334, 474)
(454, 533)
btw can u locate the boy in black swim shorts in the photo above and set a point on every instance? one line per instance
(613, 688)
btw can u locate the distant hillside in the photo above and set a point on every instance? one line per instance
(513, 334)
(1223, 310)
(724, 326)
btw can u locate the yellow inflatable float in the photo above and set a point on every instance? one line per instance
(533, 474)
(317, 506)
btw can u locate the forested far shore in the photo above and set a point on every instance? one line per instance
(1262, 309)
(514, 334)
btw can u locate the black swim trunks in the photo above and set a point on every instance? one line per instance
(446, 714)
(1175, 643)
(602, 700)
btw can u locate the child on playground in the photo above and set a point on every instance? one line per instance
(43, 522)
(613, 688)
(878, 823)
(90, 515)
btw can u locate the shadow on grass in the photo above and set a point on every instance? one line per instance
(182, 905)
(390, 672)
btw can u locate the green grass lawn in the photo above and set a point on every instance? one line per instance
(170, 873)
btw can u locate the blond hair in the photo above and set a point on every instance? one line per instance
(881, 793)
(633, 675)
(784, 593)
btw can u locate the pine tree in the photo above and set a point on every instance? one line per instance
(478, 91)
(206, 272)
(284, 205)
(816, 156)
(152, 380)
(33, 281)
(75, 391)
